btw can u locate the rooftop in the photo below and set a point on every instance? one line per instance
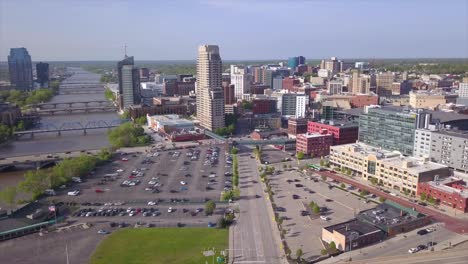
(391, 158)
(314, 135)
(352, 227)
(442, 185)
(388, 214)
(338, 123)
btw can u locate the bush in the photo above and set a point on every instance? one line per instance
(324, 252)
(210, 206)
(299, 254)
(316, 209)
(234, 151)
(300, 155)
(342, 185)
(382, 199)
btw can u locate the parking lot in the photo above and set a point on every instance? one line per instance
(144, 185)
(305, 231)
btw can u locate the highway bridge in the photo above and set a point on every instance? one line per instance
(80, 91)
(43, 159)
(89, 109)
(71, 104)
(70, 126)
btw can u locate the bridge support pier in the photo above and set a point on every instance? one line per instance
(59, 133)
(85, 132)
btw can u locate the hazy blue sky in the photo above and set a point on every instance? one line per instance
(244, 29)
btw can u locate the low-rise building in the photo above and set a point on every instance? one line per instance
(361, 100)
(264, 106)
(389, 169)
(450, 191)
(314, 144)
(175, 128)
(9, 113)
(343, 131)
(352, 234)
(297, 126)
(430, 100)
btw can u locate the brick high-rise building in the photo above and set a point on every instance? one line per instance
(20, 68)
(210, 94)
(229, 97)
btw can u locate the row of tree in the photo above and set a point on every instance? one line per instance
(37, 181)
(23, 98)
(234, 193)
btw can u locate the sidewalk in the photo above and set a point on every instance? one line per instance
(345, 256)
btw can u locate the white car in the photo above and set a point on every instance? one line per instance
(169, 210)
(74, 193)
(324, 218)
(151, 203)
(119, 170)
(431, 229)
(152, 182)
(212, 176)
(158, 184)
(413, 250)
(155, 178)
(129, 210)
(183, 183)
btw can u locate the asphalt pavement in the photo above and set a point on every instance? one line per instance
(256, 239)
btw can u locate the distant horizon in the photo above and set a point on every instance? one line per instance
(260, 60)
(55, 30)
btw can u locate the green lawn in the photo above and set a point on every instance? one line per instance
(160, 245)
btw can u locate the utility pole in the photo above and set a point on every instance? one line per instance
(66, 251)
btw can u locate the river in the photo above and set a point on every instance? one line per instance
(68, 141)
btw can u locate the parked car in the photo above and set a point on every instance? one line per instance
(295, 196)
(325, 218)
(211, 224)
(412, 250)
(422, 232)
(74, 193)
(103, 232)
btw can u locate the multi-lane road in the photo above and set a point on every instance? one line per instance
(255, 238)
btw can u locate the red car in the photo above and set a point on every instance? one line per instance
(99, 191)
(131, 177)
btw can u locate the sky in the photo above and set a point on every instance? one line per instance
(57, 30)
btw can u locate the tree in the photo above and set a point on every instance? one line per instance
(373, 181)
(8, 195)
(342, 185)
(35, 183)
(104, 154)
(287, 251)
(311, 205)
(382, 199)
(316, 209)
(322, 162)
(423, 196)
(299, 253)
(222, 222)
(141, 120)
(210, 206)
(246, 105)
(234, 151)
(323, 251)
(125, 115)
(332, 247)
(109, 95)
(5, 133)
(127, 135)
(300, 155)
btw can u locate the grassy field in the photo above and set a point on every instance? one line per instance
(160, 245)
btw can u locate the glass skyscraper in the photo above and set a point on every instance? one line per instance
(389, 129)
(20, 68)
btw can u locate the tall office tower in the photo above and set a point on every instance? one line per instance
(241, 80)
(258, 73)
(384, 83)
(210, 96)
(20, 68)
(144, 74)
(293, 62)
(388, 128)
(355, 82)
(332, 65)
(42, 72)
(463, 92)
(129, 83)
(301, 60)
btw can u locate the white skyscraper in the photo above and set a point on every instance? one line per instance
(241, 81)
(302, 101)
(210, 97)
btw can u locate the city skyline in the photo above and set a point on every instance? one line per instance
(314, 36)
